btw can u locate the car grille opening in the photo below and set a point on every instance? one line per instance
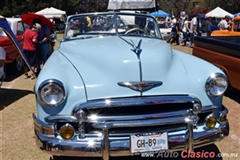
(150, 129)
(139, 109)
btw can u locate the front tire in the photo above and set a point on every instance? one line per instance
(19, 63)
(16, 66)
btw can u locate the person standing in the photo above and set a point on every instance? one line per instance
(193, 29)
(2, 61)
(89, 24)
(174, 20)
(208, 26)
(43, 45)
(30, 38)
(175, 33)
(203, 29)
(223, 24)
(185, 31)
(229, 21)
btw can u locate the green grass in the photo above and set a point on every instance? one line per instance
(59, 38)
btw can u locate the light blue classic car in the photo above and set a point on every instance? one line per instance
(115, 88)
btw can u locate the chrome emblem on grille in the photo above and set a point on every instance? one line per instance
(140, 86)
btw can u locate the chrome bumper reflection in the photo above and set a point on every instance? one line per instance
(105, 146)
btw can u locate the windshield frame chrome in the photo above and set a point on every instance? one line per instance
(115, 15)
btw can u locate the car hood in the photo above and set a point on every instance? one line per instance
(104, 62)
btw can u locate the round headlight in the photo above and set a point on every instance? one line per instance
(51, 92)
(216, 84)
(66, 131)
(210, 121)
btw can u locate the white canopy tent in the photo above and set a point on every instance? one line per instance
(218, 13)
(131, 4)
(52, 13)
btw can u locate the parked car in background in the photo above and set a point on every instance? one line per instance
(14, 61)
(121, 91)
(213, 20)
(234, 29)
(222, 51)
(59, 25)
(165, 30)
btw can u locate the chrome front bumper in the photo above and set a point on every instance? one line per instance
(105, 146)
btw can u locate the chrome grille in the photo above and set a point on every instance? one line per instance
(139, 109)
(116, 132)
(137, 115)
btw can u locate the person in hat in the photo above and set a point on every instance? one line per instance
(43, 45)
(30, 37)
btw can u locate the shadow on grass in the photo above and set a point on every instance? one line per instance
(10, 76)
(12, 95)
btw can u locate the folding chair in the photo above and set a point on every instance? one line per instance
(1, 81)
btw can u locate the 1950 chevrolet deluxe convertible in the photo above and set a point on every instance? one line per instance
(115, 88)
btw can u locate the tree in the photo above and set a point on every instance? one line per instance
(92, 6)
(174, 7)
(9, 8)
(232, 6)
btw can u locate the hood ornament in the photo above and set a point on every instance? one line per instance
(140, 86)
(136, 49)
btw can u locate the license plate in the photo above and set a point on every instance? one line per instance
(149, 143)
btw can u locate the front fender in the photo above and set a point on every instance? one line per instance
(198, 75)
(70, 78)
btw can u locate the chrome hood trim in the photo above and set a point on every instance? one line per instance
(142, 85)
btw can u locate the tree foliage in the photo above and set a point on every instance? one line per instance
(232, 6)
(174, 7)
(10, 8)
(92, 6)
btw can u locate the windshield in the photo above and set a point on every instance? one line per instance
(2, 33)
(237, 26)
(111, 23)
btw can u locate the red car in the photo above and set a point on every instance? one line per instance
(14, 61)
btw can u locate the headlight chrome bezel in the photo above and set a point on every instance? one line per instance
(212, 80)
(51, 82)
